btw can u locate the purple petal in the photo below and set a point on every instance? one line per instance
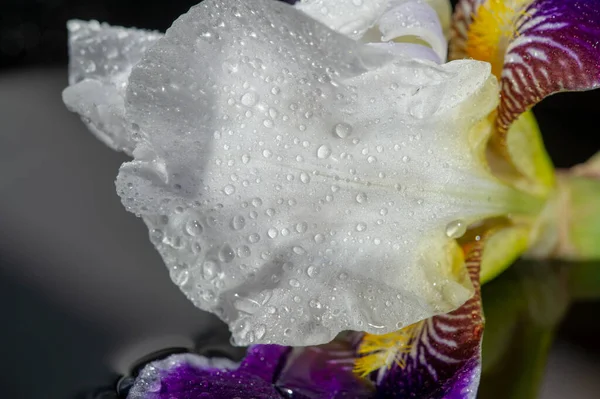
(444, 360)
(555, 49)
(195, 377)
(264, 360)
(324, 372)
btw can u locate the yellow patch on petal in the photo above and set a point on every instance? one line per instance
(384, 351)
(494, 26)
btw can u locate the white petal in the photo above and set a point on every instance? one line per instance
(101, 58)
(298, 183)
(443, 8)
(413, 18)
(409, 50)
(349, 17)
(367, 20)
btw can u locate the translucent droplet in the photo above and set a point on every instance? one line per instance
(245, 305)
(304, 177)
(343, 276)
(319, 238)
(302, 227)
(323, 152)
(193, 228)
(249, 99)
(254, 238)
(342, 130)
(299, 250)
(256, 202)
(294, 283)
(315, 304)
(226, 253)
(245, 158)
(272, 232)
(156, 236)
(228, 189)
(238, 222)
(312, 271)
(244, 251)
(260, 331)
(210, 269)
(361, 198)
(361, 227)
(456, 229)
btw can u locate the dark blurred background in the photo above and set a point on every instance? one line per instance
(82, 292)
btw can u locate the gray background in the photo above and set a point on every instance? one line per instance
(82, 292)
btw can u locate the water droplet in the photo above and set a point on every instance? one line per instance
(302, 227)
(323, 152)
(304, 177)
(238, 222)
(361, 227)
(371, 159)
(256, 202)
(254, 238)
(244, 251)
(287, 332)
(342, 130)
(299, 250)
(294, 283)
(245, 305)
(361, 198)
(228, 189)
(312, 271)
(314, 303)
(343, 276)
(249, 99)
(272, 233)
(156, 236)
(245, 158)
(210, 269)
(267, 153)
(226, 254)
(268, 123)
(456, 229)
(260, 331)
(405, 158)
(193, 228)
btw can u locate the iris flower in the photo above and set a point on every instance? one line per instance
(309, 170)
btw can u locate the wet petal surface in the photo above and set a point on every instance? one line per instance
(100, 60)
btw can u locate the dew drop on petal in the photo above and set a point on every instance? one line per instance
(361, 198)
(342, 130)
(210, 269)
(304, 177)
(302, 227)
(238, 222)
(228, 189)
(456, 229)
(226, 253)
(249, 99)
(193, 228)
(361, 227)
(323, 152)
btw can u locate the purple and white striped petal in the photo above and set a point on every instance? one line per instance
(556, 48)
(444, 360)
